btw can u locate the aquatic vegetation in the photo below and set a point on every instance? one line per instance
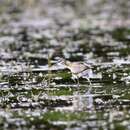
(36, 93)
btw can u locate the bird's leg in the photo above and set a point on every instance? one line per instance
(89, 81)
(90, 88)
(89, 94)
(78, 81)
(74, 80)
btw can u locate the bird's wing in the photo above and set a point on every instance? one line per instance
(89, 66)
(77, 67)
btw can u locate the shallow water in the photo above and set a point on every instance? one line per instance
(36, 93)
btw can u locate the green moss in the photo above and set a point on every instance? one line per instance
(64, 116)
(120, 127)
(65, 75)
(120, 33)
(61, 91)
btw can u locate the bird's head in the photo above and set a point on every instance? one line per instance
(62, 61)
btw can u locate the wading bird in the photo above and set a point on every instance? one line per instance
(78, 69)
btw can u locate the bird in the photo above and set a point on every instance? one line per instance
(78, 69)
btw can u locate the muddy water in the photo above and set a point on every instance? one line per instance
(36, 93)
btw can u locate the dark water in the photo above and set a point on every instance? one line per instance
(35, 93)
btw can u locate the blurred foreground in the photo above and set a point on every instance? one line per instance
(36, 95)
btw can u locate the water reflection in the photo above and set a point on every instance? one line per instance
(35, 94)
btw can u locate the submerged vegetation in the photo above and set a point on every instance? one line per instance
(36, 93)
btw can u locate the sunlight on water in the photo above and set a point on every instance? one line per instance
(36, 92)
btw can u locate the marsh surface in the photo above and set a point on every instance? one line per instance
(37, 94)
